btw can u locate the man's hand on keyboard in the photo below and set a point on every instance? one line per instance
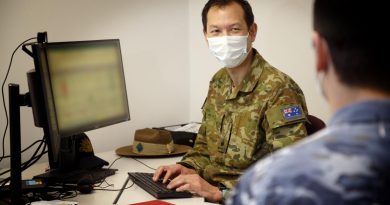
(186, 179)
(171, 171)
(195, 184)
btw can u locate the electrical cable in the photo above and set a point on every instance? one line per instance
(114, 162)
(131, 185)
(2, 173)
(28, 163)
(104, 180)
(25, 149)
(25, 165)
(144, 164)
(2, 94)
(127, 180)
(104, 188)
(122, 189)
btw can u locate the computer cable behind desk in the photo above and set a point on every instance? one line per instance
(3, 98)
(39, 152)
(99, 186)
(36, 156)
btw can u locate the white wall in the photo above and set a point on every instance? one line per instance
(166, 59)
(283, 39)
(154, 41)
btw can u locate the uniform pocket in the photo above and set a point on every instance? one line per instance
(244, 139)
(213, 131)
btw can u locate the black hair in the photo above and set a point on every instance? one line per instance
(355, 31)
(248, 14)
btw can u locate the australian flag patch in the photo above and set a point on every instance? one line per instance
(292, 112)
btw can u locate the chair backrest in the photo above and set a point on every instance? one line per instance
(315, 124)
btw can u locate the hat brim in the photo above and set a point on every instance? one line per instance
(91, 162)
(127, 151)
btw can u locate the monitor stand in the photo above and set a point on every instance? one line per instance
(15, 102)
(77, 163)
(75, 177)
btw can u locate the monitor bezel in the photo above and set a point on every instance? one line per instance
(50, 115)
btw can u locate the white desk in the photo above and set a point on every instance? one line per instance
(131, 195)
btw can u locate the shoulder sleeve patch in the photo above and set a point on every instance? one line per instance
(284, 115)
(291, 112)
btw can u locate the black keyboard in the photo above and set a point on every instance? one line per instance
(156, 189)
(74, 177)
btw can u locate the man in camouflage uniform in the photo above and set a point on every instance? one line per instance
(348, 162)
(251, 108)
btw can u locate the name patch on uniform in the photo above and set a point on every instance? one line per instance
(292, 112)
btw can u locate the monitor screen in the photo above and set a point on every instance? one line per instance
(87, 85)
(83, 87)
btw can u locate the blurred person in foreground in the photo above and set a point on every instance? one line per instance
(251, 109)
(349, 161)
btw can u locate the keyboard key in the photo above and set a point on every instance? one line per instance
(156, 189)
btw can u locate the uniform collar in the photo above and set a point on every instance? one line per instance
(365, 111)
(252, 78)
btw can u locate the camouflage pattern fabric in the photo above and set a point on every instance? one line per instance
(243, 124)
(346, 163)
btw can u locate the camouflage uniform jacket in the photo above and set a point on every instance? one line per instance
(346, 163)
(241, 125)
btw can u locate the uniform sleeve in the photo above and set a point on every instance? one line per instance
(285, 119)
(241, 194)
(198, 156)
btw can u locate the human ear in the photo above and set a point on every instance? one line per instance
(253, 32)
(321, 53)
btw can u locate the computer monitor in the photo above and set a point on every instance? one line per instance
(76, 87)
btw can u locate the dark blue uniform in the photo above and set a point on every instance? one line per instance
(346, 163)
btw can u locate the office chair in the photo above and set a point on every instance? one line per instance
(314, 124)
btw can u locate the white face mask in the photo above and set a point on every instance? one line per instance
(231, 51)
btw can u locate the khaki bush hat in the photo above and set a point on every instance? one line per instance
(152, 143)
